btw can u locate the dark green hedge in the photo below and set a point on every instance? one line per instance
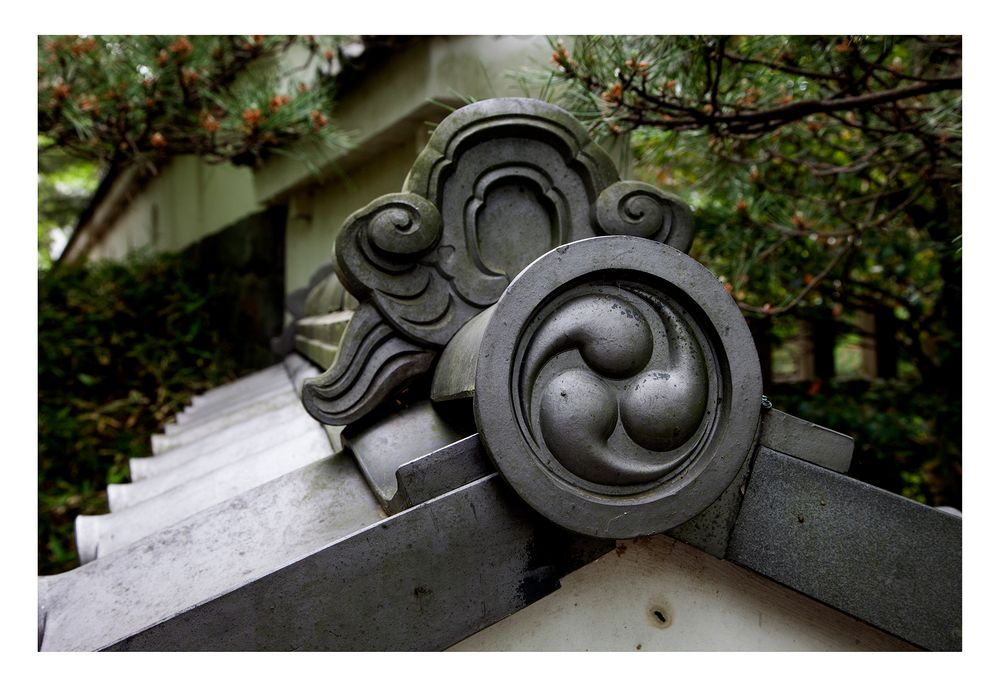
(121, 349)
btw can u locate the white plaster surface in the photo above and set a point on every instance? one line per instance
(706, 605)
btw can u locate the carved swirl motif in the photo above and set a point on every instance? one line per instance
(381, 244)
(403, 227)
(372, 361)
(638, 365)
(617, 387)
(632, 208)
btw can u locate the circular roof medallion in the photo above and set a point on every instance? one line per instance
(617, 387)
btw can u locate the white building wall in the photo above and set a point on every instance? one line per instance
(390, 117)
(316, 215)
(658, 594)
(186, 201)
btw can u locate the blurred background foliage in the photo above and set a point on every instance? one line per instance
(114, 101)
(825, 174)
(122, 347)
(65, 186)
(143, 99)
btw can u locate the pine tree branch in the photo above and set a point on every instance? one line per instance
(797, 298)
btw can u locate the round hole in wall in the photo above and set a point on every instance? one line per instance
(660, 616)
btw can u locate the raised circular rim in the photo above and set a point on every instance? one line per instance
(708, 473)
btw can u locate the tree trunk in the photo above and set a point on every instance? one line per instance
(886, 348)
(824, 340)
(760, 329)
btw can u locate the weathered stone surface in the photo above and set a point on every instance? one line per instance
(885, 559)
(215, 551)
(327, 296)
(199, 428)
(499, 183)
(617, 387)
(160, 477)
(236, 438)
(381, 445)
(318, 337)
(199, 473)
(805, 440)
(372, 363)
(420, 580)
(320, 313)
(455, 374)
(99, 535)
(266, 379)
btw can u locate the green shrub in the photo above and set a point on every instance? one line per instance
(122, 348)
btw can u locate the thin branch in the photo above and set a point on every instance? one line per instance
(789, 232)
(770, 250)
(767, 310)
(763, 121)
(797, 71)
(802, 108)
(719, 53)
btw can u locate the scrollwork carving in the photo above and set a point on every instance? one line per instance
(371, 363)
(380, 246)
(402, 227)
(499, 183)
(632, 208)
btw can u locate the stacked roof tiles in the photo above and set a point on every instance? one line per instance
(242, 483)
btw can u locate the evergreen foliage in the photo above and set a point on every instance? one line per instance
(143, 99)
(825, 173)
(107, 102)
